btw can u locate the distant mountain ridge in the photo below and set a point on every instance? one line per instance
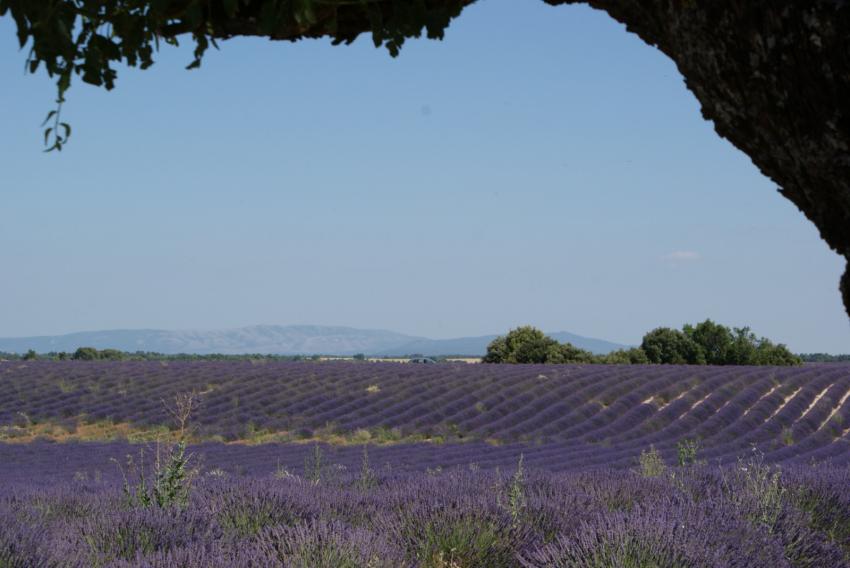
(278, 340)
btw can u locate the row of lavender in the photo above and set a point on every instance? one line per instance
(584, 411)
(750, 515)
(49, 463)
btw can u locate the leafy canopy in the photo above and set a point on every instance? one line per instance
(714, 344)
(704, 343)
(528, 344)
(672, 347)
(92, 354)
(87, 38)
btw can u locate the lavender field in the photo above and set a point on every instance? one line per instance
(571, 416)
(751, 515)
(445, 466)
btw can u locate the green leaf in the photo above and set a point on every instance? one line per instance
(304, 14)
(63, 84)
(63, 30)
(50, 115)
(47, 135)
(376, 21)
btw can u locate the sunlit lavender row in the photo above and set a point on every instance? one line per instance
(584, 415)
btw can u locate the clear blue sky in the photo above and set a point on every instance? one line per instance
(539, 166)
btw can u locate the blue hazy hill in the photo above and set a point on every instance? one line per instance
(276, 339)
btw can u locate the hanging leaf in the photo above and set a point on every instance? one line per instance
(90, 39)
(376, 21)
(50, 115)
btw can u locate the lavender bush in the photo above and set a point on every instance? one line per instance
(456, 518)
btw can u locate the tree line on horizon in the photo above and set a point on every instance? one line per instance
(706, 343)
(94, 354)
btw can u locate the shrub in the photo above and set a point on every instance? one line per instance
(23, 545)
(515, 495)
(313, 466)
(672, 347)
(128, 534)
(462, 542)
(826, 501)
(686, 452)
(244, 513)
(755, 487)
(528, 344)
(367, 478)
(85, 354)
(320, 544)
(668, 534)
(172, 477)
(521, 345)
(651, 463)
